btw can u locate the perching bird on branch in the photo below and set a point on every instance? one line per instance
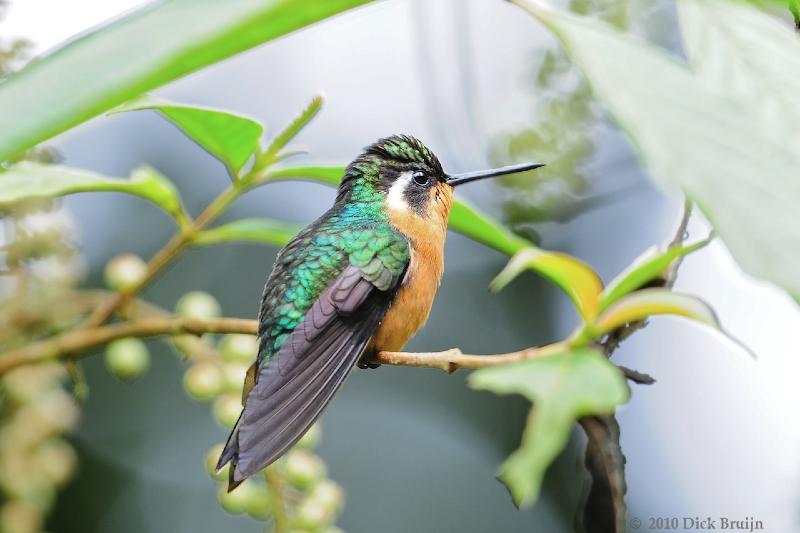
(359, 280)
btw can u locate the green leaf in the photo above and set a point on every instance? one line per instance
(469, 221)
(574, 277)
(563, 387)
(261, 230)
(648, 302)
(649, 266)
(294, 127)
(727, 43)
(230, 138)
(137, 53)
(743, 175)
(28, 180)
(326, 175)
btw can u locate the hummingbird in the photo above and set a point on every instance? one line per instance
(359, 280)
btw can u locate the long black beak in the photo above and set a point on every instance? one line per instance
(466, 177)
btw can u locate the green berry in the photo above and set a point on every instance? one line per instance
(125, 271)
(226, 409)
(19, 516)
(128, 359)
(329, 495)
(56, 460)
(311, 438)
(237, 347)
(24, 384)
(203, 381)
(236, 502)
(259, 505)
(304, 469)
(235, 373)
(311, 515)
(212, 457)
(55, 411)
(198, 304)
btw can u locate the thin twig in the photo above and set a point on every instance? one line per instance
(453, 359)
(165, 256)
(640, 378)
(614, 338)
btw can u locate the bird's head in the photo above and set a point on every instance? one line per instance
(407, 177)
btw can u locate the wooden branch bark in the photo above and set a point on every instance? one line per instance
(604, 507)
(78, 342)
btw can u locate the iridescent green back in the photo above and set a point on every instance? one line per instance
(356, 231)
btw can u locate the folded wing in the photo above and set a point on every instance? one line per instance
(297, 383)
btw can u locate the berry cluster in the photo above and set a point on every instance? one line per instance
(41, 267)
(34, 459)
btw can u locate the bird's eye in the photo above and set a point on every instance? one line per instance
(421, 178)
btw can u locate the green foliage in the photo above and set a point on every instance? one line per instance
(650, 302)
(259, 230)
(651, 265)
(231, 138)
(740, 37)
(290, 132)
(575, 278)
(623, 303)
(562, 387)
(28, 180)
(327, 175)
(732, 153)
(86, 73)
(466, 219)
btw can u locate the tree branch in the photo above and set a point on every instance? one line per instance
(603, 510)
(604, 506)
(74, 343)
(153, 322)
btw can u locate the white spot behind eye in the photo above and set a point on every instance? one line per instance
(396, 198)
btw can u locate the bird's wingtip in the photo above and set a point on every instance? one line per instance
(232, 481)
